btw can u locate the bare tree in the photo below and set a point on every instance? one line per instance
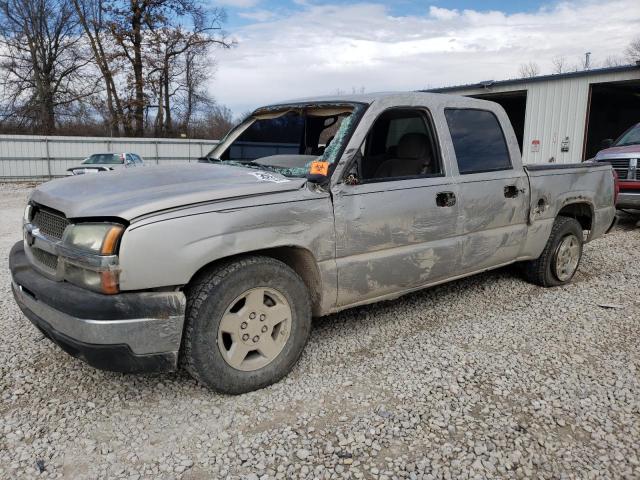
(180, 64)
(613, 61)
(150, 58)
(195, 97)
(633, 51)
(212, 121)
(559, 64)
(529, 70)
(41, 62)
(92, 16)
(137, 25)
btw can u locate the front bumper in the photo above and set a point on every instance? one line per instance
(629, 200)
(127, 332)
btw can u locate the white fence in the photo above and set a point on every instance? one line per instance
(34, 157)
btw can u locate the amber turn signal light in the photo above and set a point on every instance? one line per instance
(111, 240)
(109, 282)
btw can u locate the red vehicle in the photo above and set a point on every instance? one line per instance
(623, 155)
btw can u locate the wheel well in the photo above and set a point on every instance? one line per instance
(582, 212)
(298, 259)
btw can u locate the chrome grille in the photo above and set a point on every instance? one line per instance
(49, 223)
(624, 168)
(45, 258)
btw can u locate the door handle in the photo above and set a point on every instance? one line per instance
(511, 191)
(446, 199)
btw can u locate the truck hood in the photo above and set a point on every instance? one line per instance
(130, 193)
(628, 151)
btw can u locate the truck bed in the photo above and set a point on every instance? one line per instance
(556, 186)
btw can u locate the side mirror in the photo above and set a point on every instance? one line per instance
(606, 143)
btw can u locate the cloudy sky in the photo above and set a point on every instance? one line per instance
(294, 48)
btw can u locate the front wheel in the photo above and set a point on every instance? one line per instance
(247, 323)
(561, 256)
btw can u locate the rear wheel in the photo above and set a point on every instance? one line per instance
(561, 256)
(247, 324)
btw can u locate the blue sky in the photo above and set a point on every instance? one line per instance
(236, 9)
(295, 48)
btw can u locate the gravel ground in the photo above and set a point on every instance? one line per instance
(488, 377)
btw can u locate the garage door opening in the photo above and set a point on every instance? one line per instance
(613, 108)
(515, 104)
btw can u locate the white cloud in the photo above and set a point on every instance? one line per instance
(325, 48)
(237, 3)
(442, 13)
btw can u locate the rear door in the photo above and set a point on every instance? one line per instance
(493, 190)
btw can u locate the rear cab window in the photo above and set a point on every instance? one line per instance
(478, 141)
(267, 137)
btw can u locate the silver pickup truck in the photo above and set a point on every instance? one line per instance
(305, 209)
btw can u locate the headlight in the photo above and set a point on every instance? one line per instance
(99, 238)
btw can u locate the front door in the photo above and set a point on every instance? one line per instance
(397, 215)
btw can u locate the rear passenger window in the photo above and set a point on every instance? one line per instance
(477, 140)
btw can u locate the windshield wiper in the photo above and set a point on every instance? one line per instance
(219, 160)
(249, 164)
(627, 144)
(242, 162)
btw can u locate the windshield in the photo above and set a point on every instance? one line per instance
(288, 139)
(630, 137)
(110, 158)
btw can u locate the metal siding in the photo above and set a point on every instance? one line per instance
(25, 157)
(556, 108)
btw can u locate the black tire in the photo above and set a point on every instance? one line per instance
(541, 271)
(208, 298)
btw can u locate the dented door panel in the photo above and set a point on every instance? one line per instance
(392, 237)
(494, 223)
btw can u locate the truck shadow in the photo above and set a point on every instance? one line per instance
(628, 219)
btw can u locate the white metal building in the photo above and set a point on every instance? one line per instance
(25, 157)
(563, 118)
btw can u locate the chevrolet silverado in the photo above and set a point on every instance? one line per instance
(305, 209)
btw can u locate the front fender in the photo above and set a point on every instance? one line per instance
(170, 251)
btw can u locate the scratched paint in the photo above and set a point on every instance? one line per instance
(368, 242)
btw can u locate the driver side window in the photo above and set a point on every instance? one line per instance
(400, 144)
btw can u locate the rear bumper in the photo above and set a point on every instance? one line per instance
(629, 200)
(128, 332)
